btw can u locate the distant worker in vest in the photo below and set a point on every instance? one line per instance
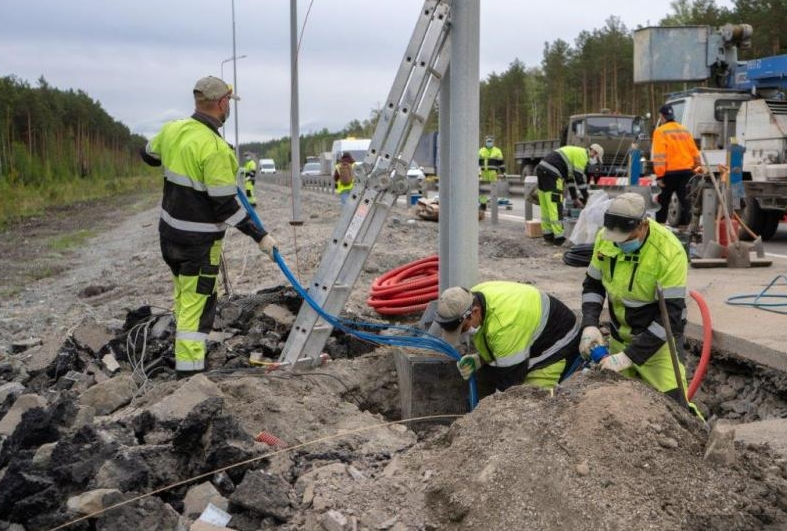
(491, 163)
(198, 205)
(521, 335)
(564, 165)
(250, 173)
(675, 155)
(344, 177)
(631, 255)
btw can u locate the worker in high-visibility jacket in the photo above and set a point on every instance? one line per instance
(521, 334)
(198, 204)
(344, 176)
(250, 178)
(491, 165)
(564, 165)
(674, 155)
(631, 256)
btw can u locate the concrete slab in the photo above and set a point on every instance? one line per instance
(430, 385)
(771, 431)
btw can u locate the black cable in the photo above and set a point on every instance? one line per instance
(579, 255)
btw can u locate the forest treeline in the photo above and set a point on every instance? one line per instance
(595, 72)
(65, 137)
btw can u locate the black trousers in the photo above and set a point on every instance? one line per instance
(675, 182)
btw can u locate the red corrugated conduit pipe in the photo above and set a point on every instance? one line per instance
(406, 289)
(707, 339)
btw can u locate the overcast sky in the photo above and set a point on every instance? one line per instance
(140, 58)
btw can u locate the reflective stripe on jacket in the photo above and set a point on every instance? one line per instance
(673, 149)
(490, 160)
(514, 317)
(199, 199)
(628, 282)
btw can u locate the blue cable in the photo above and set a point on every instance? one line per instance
(758, 300)
(420, 338)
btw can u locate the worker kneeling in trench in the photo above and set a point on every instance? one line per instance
(522, 335)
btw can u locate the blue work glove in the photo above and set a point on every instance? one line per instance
(468, 365)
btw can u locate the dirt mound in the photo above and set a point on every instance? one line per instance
(602, 453)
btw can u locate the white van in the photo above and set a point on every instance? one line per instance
(267, 166)
(357, 147)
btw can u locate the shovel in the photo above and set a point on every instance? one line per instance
(756, 244)
(737, 255)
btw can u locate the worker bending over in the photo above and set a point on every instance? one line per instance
(631, 256)
(522, 335)
(564, 165)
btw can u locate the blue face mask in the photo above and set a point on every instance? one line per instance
(629, 246)
(489, 144)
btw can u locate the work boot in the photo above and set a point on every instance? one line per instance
(549, 238)
(560, 240)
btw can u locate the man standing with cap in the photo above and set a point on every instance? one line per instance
(565, 164)
(521, 334)
(631, 256)
(675, 155)
(198, 205)
(250, 172)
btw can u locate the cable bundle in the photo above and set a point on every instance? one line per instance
(406, 289)
(579, 255)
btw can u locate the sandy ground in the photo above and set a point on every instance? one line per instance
(600, 453)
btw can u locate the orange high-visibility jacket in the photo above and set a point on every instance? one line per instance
(673, 149)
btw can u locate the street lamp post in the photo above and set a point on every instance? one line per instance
(234, 89)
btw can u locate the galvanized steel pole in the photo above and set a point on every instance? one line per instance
(295, 132)
(461, 261)
(235, 83)
(444, 176)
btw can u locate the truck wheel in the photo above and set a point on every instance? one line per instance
(762, 222)
(673, 213)
(527, 170)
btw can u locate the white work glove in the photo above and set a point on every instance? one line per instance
(616, 362)
(591, 336)
(267, 245)
(468, 365)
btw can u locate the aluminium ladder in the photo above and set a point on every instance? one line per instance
(379, 180)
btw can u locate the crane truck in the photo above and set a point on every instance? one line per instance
(743, 104)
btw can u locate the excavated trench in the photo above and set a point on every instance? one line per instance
(58, 453)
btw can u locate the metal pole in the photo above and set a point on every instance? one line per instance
(461, 262)
(295, 132)
(444, 177)
(673, 353)
(235, 82)
(223, 133)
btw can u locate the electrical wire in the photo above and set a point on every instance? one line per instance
(761, 300)
(418, 339)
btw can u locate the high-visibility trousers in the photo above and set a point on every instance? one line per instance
(658, 373)
(250, 192)
(550, 200)
(195, 269)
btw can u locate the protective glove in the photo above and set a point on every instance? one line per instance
(591, 336)
(267, 245)
(616, 362)
(468, 365)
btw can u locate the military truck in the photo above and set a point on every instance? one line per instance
(614, 132)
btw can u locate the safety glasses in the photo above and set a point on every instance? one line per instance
(620, 223)
(452, 324)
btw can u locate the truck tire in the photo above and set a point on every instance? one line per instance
(673, 213)
(762, 222)
(527, 170)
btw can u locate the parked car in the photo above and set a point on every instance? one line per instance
(267, 166)
(311, 168)
(310, 173)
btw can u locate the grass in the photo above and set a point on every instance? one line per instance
(73, 239)
(18, 201)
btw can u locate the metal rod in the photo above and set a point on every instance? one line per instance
(235, 83)
(673, 353)
(295, 132)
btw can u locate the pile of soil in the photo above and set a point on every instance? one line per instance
(598, 453)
